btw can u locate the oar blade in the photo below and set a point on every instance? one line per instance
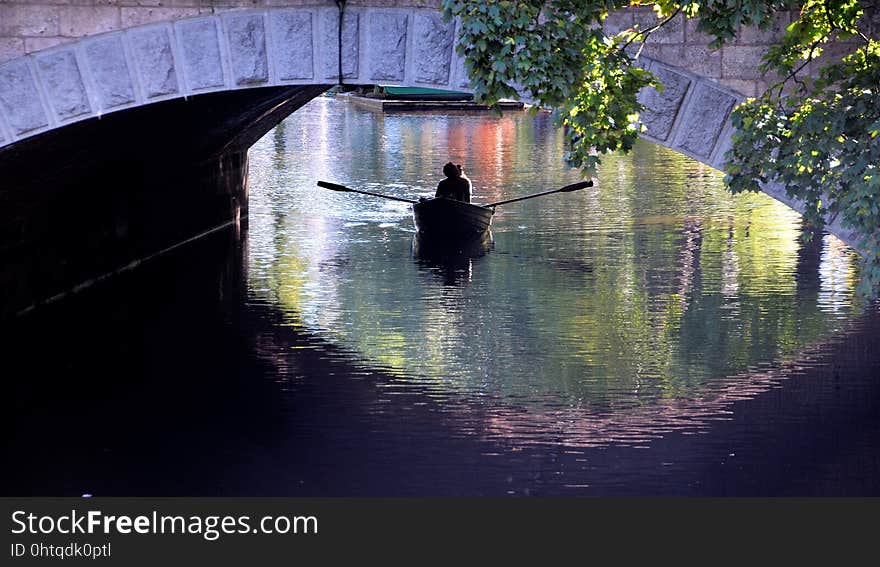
(333, 186)
(577, 186)
(566, 189)
(338, 187)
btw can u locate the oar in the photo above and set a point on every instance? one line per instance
(337, 187)
(566, 189)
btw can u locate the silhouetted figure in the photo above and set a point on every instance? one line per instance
(456, 185)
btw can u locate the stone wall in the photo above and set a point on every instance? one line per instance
(100, 195)
(679, 44)
(111, 72)
(217, 79)
(27, 26)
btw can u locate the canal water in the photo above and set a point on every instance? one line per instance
(650, 335)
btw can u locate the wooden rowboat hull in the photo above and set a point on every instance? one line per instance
(437, 250)
(450, 260)
(446, 218)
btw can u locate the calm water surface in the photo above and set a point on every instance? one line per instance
(649, 335)
(593, 316)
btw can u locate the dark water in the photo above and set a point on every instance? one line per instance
(649, 335)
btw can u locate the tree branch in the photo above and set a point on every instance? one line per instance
(794, 72)
(647, 33)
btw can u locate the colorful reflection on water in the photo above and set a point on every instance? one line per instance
(651, 335)
(615, 314)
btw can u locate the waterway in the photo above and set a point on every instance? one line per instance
(650, 335)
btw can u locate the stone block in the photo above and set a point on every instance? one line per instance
(697, 59)
(761, 87)
(433, 48)
(387, 33)
(724, 145)
(652, 51)
(20, 98)
(832, 53)
(643, 62)
(166, 3)
(76, 2)
(330, 43)
(744, 87)
(78, 21)
(22, 20)
(752, 35)
(246, 37)
(704, 118)
(32, 44)
(459, 72)
(10, 48)
(105, 57)
(692, 36)
(396, 3)
(661, 108)
(305, 3)
(61, 76)
(778, 192)
(215, 9)
(617, 22)
(154, 60)
(671, 32)
(701, 60)
(292, 38)
(741, 62)
(200, 49)
(139, 16)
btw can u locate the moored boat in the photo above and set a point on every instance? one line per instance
(446, 218)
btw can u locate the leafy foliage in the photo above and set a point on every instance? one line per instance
(556, 56)
(816, 133)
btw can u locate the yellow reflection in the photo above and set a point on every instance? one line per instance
(837, 275)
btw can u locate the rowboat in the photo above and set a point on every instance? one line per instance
(449, 219)
(431, 250)
(450, 259)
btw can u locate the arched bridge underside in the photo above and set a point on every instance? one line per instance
(167, 106)
(221, 53)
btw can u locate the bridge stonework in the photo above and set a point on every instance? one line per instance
(29, 26)
(101, 56)
(65, 62)
(236, 49)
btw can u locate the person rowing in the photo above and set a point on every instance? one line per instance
(456, 186)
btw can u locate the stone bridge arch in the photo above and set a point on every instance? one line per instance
(298, 47)
(692, 116)
(236, 50)
(67, 113)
